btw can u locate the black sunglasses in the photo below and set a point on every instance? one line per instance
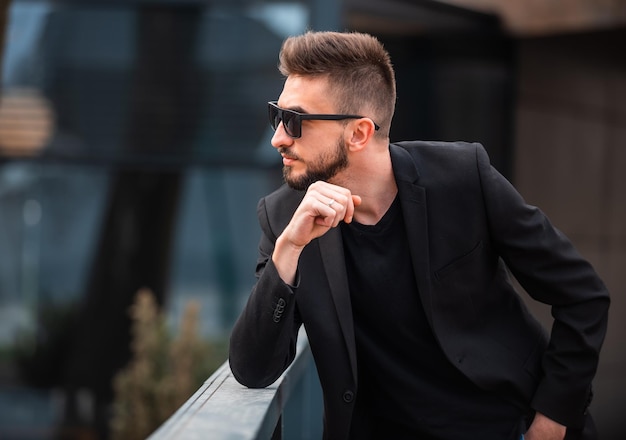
(292, 120)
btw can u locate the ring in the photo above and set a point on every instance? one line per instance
(331, 202)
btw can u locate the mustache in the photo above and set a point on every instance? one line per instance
(285, 152)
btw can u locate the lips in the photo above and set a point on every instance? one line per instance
(288, 159)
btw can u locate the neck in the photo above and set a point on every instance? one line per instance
(374, 206)
(373, 180)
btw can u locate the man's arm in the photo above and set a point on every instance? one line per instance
(263, 340)
(550, 269)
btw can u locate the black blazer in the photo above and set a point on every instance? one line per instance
(466, 224)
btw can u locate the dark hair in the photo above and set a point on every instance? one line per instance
(358, 68)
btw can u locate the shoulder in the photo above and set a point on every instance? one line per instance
(284, 197)
(276, 209)
(439, 161)
(442, 151)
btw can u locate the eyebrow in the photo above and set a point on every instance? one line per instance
(295, 108)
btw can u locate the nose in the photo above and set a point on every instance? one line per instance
(281, 138)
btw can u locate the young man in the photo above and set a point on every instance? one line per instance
(394, 258)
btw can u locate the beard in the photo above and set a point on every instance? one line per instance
(325, 167)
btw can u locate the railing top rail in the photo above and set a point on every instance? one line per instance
(223, 409)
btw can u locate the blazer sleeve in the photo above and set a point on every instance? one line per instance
(263, 340)
(551, 271)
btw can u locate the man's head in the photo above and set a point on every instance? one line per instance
(358, 69)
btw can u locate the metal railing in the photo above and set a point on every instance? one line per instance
(221, 409)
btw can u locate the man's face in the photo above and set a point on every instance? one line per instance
(320, 153)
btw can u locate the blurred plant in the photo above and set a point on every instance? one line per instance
(163, 372)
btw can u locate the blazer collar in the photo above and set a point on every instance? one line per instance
(405, 167)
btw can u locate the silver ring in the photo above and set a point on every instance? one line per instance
(331, 202)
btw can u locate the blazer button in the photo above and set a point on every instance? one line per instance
(348, 396)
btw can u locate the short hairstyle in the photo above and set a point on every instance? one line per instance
(357, 65)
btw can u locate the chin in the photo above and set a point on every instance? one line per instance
(293, 181)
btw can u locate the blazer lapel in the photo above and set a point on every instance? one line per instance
(331, 249)
(413, 202)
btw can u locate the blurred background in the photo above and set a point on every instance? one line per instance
(134, 146)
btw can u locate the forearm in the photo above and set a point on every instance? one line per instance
(263, 340)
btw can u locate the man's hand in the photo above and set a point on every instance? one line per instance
(544, 428)
(324, 205)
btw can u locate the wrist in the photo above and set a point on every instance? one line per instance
(285, 258)
(285, 246)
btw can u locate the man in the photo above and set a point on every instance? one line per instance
(395, 257)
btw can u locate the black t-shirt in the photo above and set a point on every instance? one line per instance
(407, 388)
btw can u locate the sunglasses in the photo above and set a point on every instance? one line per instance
(292, 120)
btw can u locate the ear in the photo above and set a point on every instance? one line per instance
(360, 134)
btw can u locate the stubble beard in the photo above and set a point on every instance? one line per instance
(323, 168)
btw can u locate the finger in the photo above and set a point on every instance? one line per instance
(332, 197)
(354, 201)
(326, 212)
(337, 205)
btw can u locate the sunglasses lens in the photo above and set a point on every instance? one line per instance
(274, 116)
(290, 122)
